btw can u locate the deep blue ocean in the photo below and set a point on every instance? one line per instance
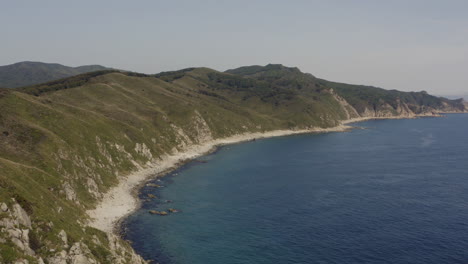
(393, 192)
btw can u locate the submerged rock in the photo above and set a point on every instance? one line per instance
(158, 212)
(153, 185)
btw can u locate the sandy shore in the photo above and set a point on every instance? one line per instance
(362, 119)
(121, 199)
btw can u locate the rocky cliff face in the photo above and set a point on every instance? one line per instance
(17, 229)
(63, 150)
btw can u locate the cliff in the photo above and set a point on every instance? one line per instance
(65, 144)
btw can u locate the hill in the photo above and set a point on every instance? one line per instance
(66, 143)
(29, 73)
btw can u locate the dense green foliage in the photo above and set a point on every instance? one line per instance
(62, 84)
(359, 96)
(170, 76)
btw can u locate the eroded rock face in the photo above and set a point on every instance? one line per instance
(60, 258)
(20, 237)
(202, 129)
(78, 254)
(22, 261)
(63, 236)
(143, 150)
(349, 111)
(121, 252)
(93, 188)
(15, 227)
(21, 215)
(4, 207)
(70, 193)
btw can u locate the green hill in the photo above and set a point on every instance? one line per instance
(29, 73)
(65, 143)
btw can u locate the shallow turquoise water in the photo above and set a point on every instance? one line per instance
(396, 192)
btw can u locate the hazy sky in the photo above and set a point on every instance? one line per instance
(399, 44)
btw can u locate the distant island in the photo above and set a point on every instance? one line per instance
(75, 141)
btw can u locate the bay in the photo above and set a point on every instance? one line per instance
(393, 192)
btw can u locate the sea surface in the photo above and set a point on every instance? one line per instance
(395, 191)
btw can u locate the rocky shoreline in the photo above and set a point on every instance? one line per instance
(123, 200)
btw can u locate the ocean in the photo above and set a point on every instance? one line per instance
(391, 191)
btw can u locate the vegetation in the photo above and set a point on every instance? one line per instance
(173, 75)
(361, 97)
(30, 73)
(62, 84)
(61, 148)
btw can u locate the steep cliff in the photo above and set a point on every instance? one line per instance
(65, 144)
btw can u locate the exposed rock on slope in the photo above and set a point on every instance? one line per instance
(63, 149)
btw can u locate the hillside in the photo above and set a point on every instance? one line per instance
(29, 73)
(67, 142)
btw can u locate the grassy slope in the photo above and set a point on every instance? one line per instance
(52, 139)
(29, 73)
(75, 134)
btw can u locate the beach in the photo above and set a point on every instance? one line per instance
(122, 199)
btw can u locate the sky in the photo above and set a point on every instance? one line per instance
(409, 45)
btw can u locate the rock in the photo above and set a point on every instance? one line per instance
(22, 261)
(21, 239)
(93, 188)
(21, 215)
(172, 210)
(60, 258)
(8, 223)
(14, 233)
(96, 240)
(63, 236)
(152, 196)
(79, 253)
(120, 253)
(4, 207)
(81, 259)
(143, 150)
(153, 185)
(69, 192)
(158, 212)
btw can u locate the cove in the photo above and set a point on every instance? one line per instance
(394, 192)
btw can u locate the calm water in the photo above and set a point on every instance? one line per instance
(396, 192)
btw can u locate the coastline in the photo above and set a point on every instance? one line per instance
(122, 200)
